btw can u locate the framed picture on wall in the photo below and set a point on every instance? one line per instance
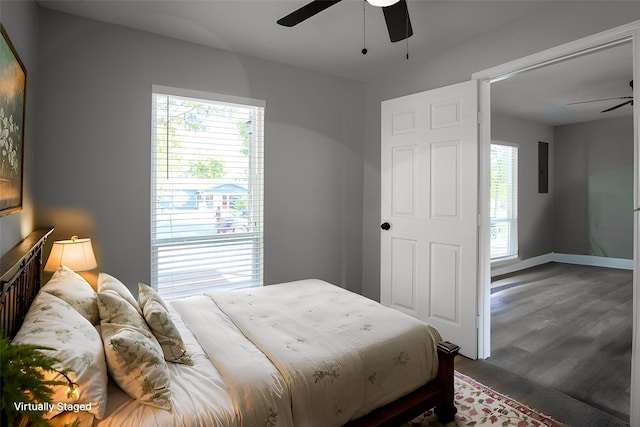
(13, 85)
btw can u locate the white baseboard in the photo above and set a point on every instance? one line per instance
(595, 261)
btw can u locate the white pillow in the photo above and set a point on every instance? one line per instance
(75, 290)
(108, 282)
(157, 316)
(52, 322)
(134, 356)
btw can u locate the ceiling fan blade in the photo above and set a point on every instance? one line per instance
(617, 106)
(398, 22)
(306, 12)
(598, 100)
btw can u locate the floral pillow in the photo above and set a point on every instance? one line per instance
(52, 322)
(159, 320)
(115, 309)
(69, 286)
(107, 282)
(134, 356)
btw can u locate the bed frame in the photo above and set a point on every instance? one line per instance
(20, 281)
(438, 393)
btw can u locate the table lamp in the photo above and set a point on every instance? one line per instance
(76, 254)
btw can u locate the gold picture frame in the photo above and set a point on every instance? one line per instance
(13, 85)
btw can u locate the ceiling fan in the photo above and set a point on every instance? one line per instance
(629, 102)
(395, 12)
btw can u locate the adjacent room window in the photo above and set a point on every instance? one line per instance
(207, 192)
(504, 201)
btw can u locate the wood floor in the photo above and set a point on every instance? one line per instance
(568, 328)
(563, 408)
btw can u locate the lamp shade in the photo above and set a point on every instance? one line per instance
(76, 254)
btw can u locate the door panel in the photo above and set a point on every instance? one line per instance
(403, 252)
(429, 197)
(445, 282)
(404, 159)
(445, 189)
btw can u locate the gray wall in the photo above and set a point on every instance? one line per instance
(93, 162)
(535, 210)
(20, 21)
(556, 23)
(594, 188)
(588, 210)
(93, 110)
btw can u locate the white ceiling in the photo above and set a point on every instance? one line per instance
(543, 95)
(331, 42)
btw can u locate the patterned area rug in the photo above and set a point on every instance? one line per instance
(479, 406)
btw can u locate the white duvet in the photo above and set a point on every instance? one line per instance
(304, 353)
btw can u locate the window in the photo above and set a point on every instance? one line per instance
(207, 192)
(504, 201)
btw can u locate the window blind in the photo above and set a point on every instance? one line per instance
(207, 193)
(504, 201)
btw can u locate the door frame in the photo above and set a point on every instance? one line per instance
(626, 33)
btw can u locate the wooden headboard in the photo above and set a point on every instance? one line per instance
(20, 280)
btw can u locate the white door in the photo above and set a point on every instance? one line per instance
(429, 231)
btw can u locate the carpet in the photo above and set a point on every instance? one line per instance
(480, 406)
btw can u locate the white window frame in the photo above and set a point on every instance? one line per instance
(252, 237)
(510, 220)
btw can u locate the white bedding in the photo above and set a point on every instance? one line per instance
(304, 353)
(200, 395)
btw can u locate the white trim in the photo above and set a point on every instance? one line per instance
(625, 33)
(498, 269)
(498, 261)
(634, 416)
(507, 143)
(484, 238)
(595, 261)
(210, 96)
(590, 260)
(560, 53)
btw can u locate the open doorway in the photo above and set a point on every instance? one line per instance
(564, 300)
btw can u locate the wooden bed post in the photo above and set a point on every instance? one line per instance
(447, 352)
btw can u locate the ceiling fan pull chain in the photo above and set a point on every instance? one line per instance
(406, 26)
(364, 28)
(407, 47)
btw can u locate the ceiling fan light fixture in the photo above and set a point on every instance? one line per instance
(396, 16)
(382, 3)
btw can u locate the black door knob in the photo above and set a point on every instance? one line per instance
(385, 226)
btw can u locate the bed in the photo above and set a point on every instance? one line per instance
(303, 353)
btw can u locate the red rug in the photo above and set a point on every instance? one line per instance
(480, 406)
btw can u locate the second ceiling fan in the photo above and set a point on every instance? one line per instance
(395, 12)
(628, 100)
